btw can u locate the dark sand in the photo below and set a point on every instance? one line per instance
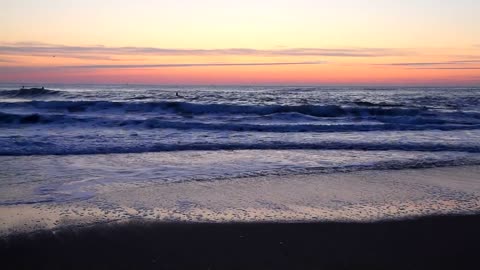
(444, 242)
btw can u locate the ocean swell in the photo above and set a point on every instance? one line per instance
(28, 93)
(199, 108)
(281, 123)
(21, 148)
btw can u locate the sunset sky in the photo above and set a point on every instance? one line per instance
(344, 42)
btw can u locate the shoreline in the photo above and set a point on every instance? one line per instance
(339, 197)
(434, 242)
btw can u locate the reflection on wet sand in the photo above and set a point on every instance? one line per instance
(359, 196)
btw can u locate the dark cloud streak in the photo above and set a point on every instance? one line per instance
(455, 62)
(449, 68)
(41, 49)
(152, 66)
(193, 65)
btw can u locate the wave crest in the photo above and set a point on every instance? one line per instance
(28, 92)
(198, 108)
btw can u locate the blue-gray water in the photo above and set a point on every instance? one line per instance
(129, 119)
(57, 144)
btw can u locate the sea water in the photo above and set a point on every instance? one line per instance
(66, 143)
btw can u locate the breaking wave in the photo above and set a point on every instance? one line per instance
(199, 109)
(28, 93)
(385, 124)
(42, 148)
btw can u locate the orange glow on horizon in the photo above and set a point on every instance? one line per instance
(320, 74)
(356, 41)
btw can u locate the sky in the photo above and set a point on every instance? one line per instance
(342, 42)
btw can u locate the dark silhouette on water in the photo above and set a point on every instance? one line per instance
(33, 88)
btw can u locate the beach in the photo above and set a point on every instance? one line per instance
(225, 135)
(362, 196)
(416, 219)
(445, 242)
(122, 177)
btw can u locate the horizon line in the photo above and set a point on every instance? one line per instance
(409, 85)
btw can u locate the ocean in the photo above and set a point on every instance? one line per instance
(68, 144)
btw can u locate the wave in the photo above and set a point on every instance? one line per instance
(35, 118)
(28, 92)
(153, 123)
(379, 104)
(54, 193)
(51, 148)
(160, 123)
(198, 108)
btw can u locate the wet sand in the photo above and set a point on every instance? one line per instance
(445, 242)
(362, 196)
(396, 219)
